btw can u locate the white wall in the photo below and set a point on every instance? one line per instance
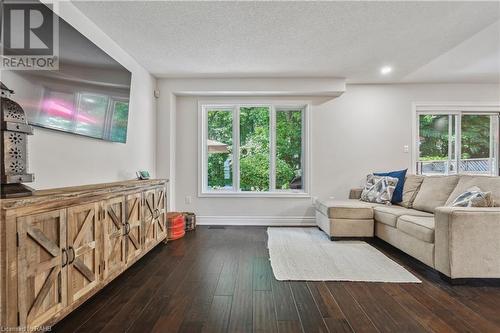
(59, 159)
(170, 89)
(362, 131)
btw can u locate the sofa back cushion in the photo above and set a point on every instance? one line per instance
(485, 183)
(434, 192)
(410, 189)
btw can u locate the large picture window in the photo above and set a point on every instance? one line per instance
(257, 149)
(457, 142)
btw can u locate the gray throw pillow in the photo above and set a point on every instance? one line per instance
(473, 197)
(410, 189)
(379, 189)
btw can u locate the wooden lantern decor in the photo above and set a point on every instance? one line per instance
(14, 131)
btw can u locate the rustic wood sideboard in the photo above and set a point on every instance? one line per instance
(59, 247)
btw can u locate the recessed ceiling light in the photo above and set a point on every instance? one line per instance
(386, 70)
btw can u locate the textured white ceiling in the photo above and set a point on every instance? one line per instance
(300, 39)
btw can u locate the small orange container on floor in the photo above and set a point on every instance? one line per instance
(176, 226)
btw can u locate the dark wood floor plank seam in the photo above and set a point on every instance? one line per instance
(338, 324)
(297, 309)
(289, 326)
(342, 311)
(131, 319)
(227, 278)
(283, 299)
(213, 293)
(136, 301)
(241, 316)
(264, 314)
(158, 303)
(480, 323)
(163, 304)
(185, 264)
(378, 314)
(113, 289)
(307, 304)
(402, 318)
(218, 319)
(438, 285)
(355, 303)
(432, 322)
(131, 285)
(428, 275)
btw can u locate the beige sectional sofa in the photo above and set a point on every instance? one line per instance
(458, 242)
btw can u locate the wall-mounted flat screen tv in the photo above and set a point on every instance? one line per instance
(88, 95)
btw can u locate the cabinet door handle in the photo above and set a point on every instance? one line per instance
(72, 251)
(64, 258)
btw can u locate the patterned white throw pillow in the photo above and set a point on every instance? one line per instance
(473, 197)
(379, 189)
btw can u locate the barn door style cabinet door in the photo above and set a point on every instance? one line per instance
(154, 217)
(42, 267)
(161, 214)
(133, 227)
(83, 248)
(148, 219)
(114, 229)
(64, 245)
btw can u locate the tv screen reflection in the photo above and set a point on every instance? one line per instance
(88, 95)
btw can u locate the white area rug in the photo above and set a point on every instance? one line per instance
(307, 254)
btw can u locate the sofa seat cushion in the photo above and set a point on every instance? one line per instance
(345, 209)
(420, 227)
(434, 192)
(389, 214)
(485, 183)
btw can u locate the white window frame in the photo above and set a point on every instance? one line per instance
(234, 107)
(456, 109)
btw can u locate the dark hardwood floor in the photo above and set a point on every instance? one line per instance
(220, 280)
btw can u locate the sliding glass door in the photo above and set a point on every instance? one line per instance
(457, 142)
(478, 144)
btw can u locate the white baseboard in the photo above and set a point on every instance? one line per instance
(296, 221)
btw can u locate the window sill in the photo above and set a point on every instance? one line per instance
(254, 195)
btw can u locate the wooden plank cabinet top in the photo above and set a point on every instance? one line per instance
(76, 194)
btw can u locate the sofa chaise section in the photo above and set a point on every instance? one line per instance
(345, 218)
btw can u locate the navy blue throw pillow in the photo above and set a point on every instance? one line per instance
(397, 196)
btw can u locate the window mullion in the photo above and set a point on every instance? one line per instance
(494, 144)
(450, 143)
(305, 150)
(491, 164)
(236, 148)
(497, 144)
(272, 148)
(458, 140)
(204, 149)
(417, 145)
